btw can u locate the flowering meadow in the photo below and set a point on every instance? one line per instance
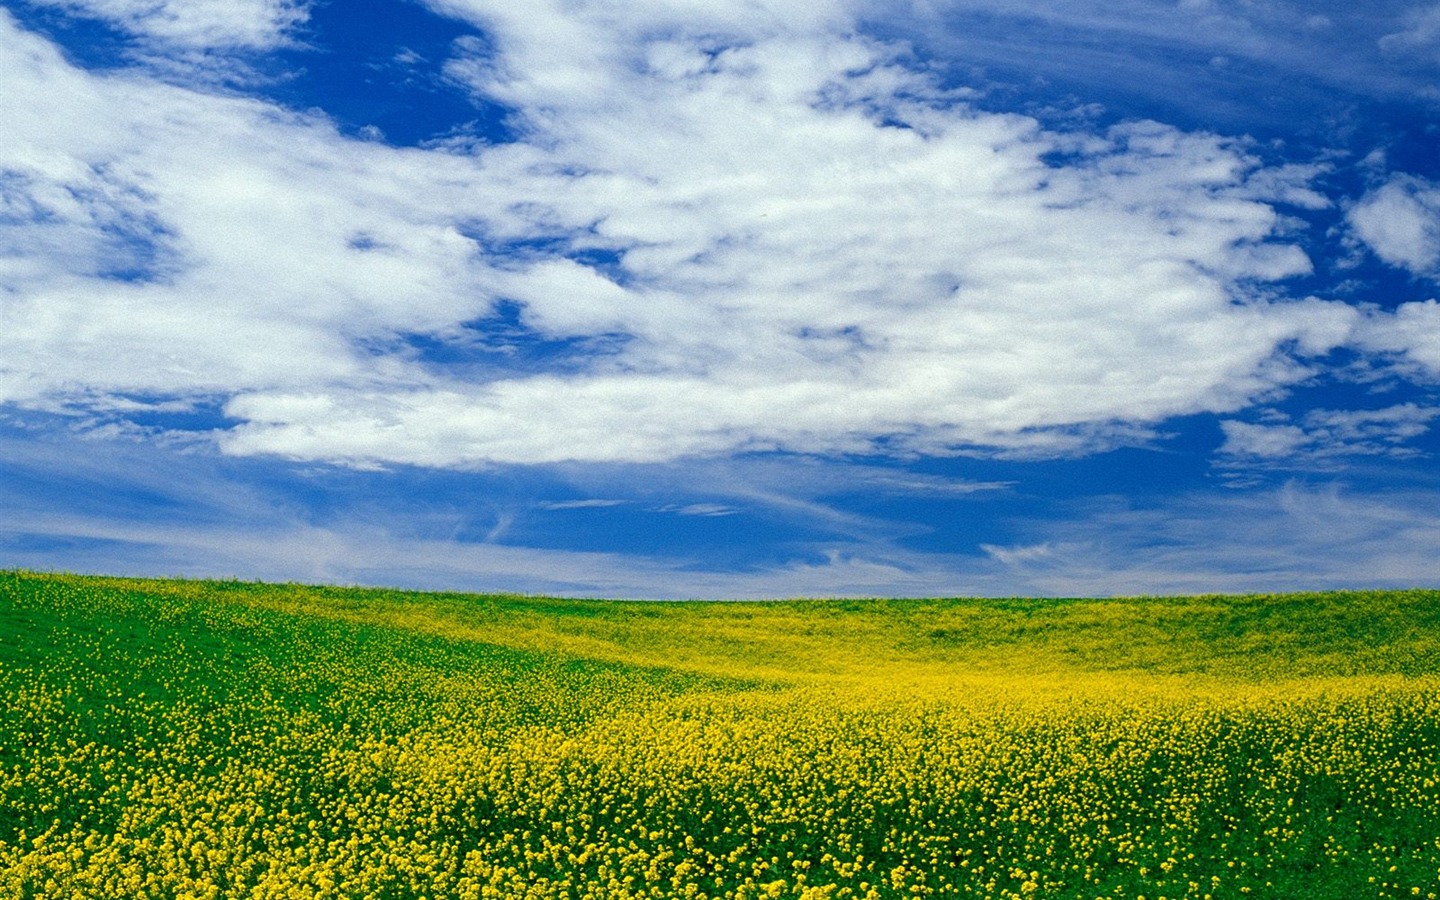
(181, 739)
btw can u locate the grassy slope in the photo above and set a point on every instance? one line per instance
(1253, 638)
(1257, 640)
(126, 700)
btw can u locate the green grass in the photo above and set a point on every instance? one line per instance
(229, 739)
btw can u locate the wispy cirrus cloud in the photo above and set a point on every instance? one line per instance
(1307, 536)
(142, 511)
(1418, 32)
(590, 503)
(701, 509)
(1213, 49)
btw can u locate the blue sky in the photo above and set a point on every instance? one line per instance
(723, 299)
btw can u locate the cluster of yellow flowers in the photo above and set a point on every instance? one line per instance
(175, 740)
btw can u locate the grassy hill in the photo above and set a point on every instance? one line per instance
(226, 739)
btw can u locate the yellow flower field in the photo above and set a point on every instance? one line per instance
(175, 739)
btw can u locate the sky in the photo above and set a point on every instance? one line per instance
(723, 299)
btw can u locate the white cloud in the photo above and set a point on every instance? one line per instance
(1400, 221)
(198, 24)
(818, 248)
(1263, 441)
(1328, 433)
(1019, 554)
(1411, 333)
(593, 503)
(702, 509)
(163, 241)
(1419, 34)
(798, 276)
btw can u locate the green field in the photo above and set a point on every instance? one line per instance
(230, 739)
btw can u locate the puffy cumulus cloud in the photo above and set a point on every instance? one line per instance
(1411, 335)
(1263, 441)
(777, 232)
(816, 247)
(158, 241)
(197, 24)
(1400, 221)
(1326, 434)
